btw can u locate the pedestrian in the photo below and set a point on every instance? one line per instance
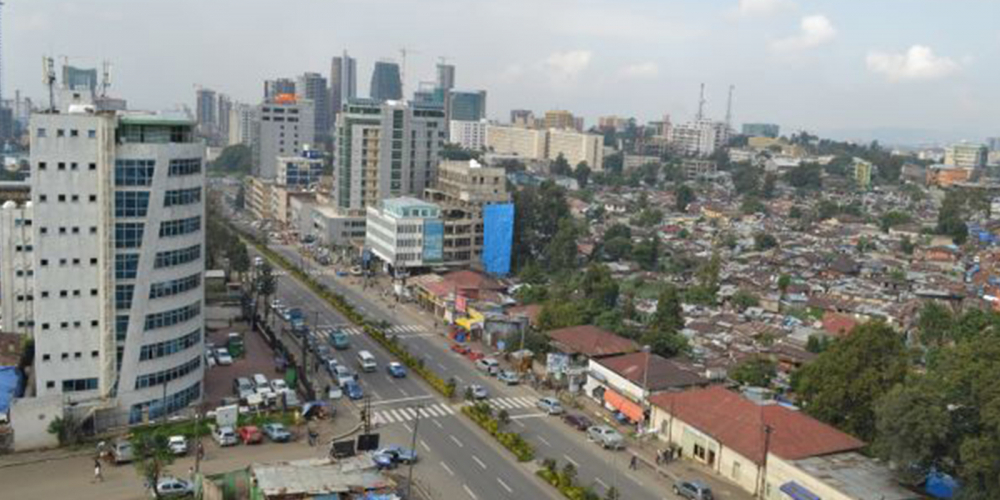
(191, 474)
(634, 463)
(659, 456)
(98, 477)
(200, 452)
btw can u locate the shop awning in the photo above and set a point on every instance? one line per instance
(797, 492)
(624, 405)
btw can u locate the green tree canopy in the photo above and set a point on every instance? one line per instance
(757, 371)
(684, 196)
(235, 159)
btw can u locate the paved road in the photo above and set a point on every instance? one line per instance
(460, 461)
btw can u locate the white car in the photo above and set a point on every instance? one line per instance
(172, 487)
(225, 436)
(222, 357)
(278, 386)
(178, 445)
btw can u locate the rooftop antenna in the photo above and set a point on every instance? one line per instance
(49, 80)
(105, 78)
(701, 103)
(729, 108)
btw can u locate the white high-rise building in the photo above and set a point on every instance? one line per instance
(241, 124)
(17, 267)
(284, 126)
(117, 256)
(469, 134)
(700, 137)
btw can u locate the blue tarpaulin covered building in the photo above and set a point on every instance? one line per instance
(10, 381)
(498, 238)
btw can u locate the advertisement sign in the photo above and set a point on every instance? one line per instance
(433, 241)
(556, 363)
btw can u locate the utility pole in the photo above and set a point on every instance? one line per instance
(413, 448)
(763, 467)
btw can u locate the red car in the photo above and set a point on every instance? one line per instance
(459, 348)
(250, 434)
(474, 355)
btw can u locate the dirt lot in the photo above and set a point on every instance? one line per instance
(259, 358)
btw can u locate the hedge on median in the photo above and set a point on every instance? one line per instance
(565, 481)
(482, 414)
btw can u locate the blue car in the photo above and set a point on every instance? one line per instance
(353, 390)
(396, 370)
(391, 456)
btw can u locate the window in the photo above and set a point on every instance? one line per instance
(79, 384)
(75, 198)
(61, 198)
(161, 349)
(74, 133)
(50, 384)
(60, 132)
(177, 257)
(186, 166)
(91, 134)
(182, 197)
(155, 408)
(126, 266)
(45, 294)
(123, 296)
(41, 133)
(44, 230)
(93, 261)
(46, 357)
(45, 262)
(92, 198)
(131, 203)
(134, 172)
(159, 378)
(180, 227)
(41, 165)
(92, 166)
(128, 234)
(121, 328)
(62, 165)
(174, 287)
(172, 317)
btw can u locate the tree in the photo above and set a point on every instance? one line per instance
(152, 457)
(746, 179)
(239, 258)
(757, 371)
(665, 343)
(892, 219)
(744, 299)
(561, 252)
(806, 176)
(266, 286)
(933, 324)
(769, 190)
(617, 249)
(235, 159)
(600, 287)
(784, 281)
(582, 174)
(684, 196)
(951, 218)
(647, 253)
(751, 205)
(241, 198)
(560, 166)
(649, 217)
(651, 173)
(612, 494)
(764, 241)
(817, 344)
(537, 215)
(912, 424)
(842, 385)
(618, 230)
(669, 315)
(906, 246)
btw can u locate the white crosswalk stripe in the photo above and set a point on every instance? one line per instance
(399, 415)
(511, 403)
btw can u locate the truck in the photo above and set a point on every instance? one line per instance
(297, 321)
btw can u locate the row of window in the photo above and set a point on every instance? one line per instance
(174, 287)
(61, 132)
(62, 166)
(180, 227)
(185, 166)
(79, 385)
(65, 356)
(126, 266)
(182, 197)
(64, 262)
(172, 317)
(174, 402)
(67, 230)
(65, 293)
(167, 375)
(75, 198)
(161, 349)
(131, 203)
(177, 257)
(123, 297)
(66, 324)
(134, 172)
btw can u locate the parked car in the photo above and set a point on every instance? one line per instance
(222, 357)
(474, 355)
(250, 434)
(172, 487)
(478, 392)
(343, 375)
(121, 451)
(459, 348)
(508, 377)
(353, 390)
(243, 388)
(276, 432)
(259, 380)
(334, 392)
(178, 445)
(291, 400)
(390, 456)
(605, 436)
(551, 406)
(693, 490)
(225, 436)
(488, 365)
(278, 385)
(396, 369)
(577, 421)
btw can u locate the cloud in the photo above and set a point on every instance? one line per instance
(640, 71)
(763, 7)
(918, 63)
(814, 31)
(566, 66)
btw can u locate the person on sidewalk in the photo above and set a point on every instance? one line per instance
(98, 477)
(634, 463)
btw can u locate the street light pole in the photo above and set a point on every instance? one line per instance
(413, 448)
(645, 387)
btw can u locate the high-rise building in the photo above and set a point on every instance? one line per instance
(993, 143)
(863, 173)
(527, 143)
(467, 106)
(278, 86)
(576, 148)
(701, 137)
(225, 105)
(522, 118)
(79, 79)
(560, 119)
(284, 126)
(966, 155)
(463, 190)
(387, 84)
(17, 267)
(117, 221)
(761, 130)
(312, 86)
(446, 76)
(241, 124)
(206, 111)
(385, 149)
(343, 83)
(300, 171)
(469, 135)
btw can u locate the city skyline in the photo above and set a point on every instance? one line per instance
(795, 62)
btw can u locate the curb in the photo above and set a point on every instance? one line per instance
(48, 459)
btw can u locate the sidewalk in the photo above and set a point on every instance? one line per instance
(41, 456)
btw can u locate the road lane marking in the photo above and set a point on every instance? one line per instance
(424, 444)
(376, 395)
(471, 494)
(529, 415)
(518, 422)
(442, 366)
(438, 424)
(602, 483)
(547, 443)
(570, 460)
(405, 394)
(447, 468)
(400, 400)
(504, 485)
(455, 439)
(407, 427)
(478, 461)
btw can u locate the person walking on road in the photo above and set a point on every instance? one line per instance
(98, 477)
(634, 463)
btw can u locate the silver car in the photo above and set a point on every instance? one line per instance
(605, 436)
(550, 406)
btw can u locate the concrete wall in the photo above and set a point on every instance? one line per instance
(30, 418)
(780, 472)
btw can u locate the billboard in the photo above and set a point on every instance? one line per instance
(433, 241)
(498, 238)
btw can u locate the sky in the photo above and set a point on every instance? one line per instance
(924, 69)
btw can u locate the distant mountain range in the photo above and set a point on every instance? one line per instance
(896, 136)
